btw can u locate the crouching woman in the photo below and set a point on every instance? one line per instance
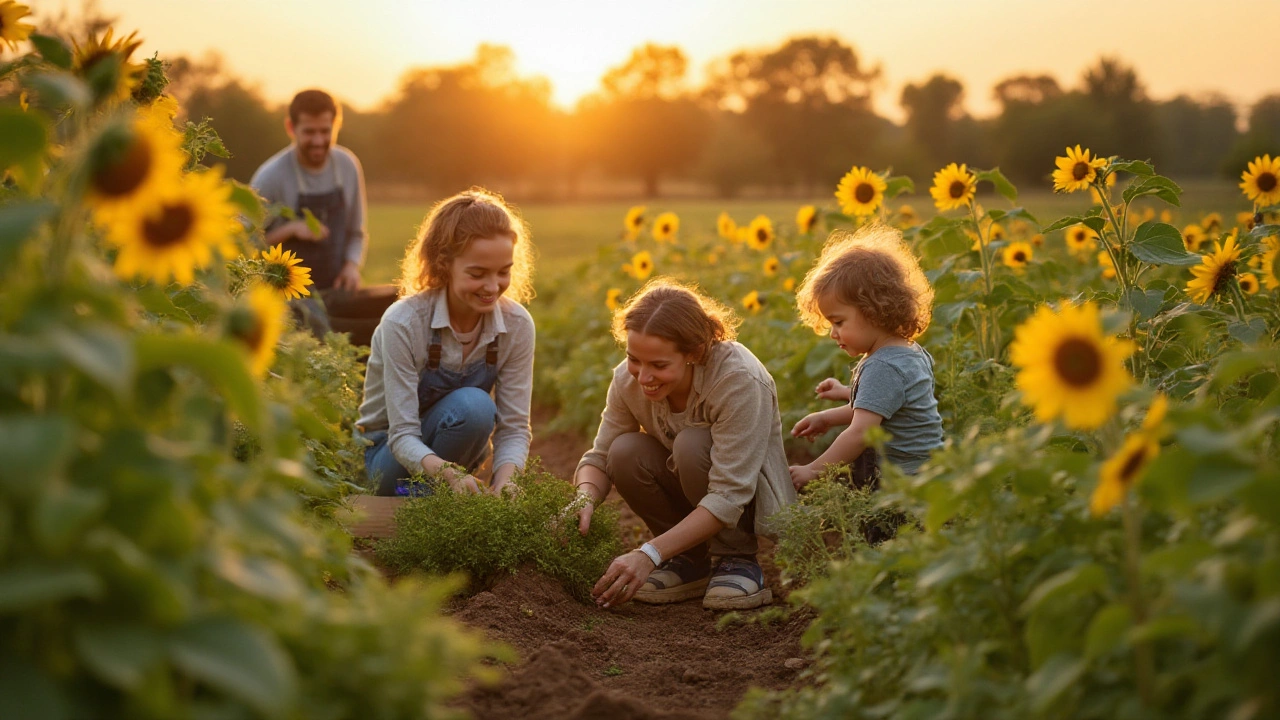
(692, 439)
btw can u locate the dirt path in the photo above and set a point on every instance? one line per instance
(636, 661)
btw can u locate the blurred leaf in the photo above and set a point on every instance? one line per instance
(949, 313)
(27, 693)
(1054, 677)
(1095, 223)
(897, 185)
(312, 223)
(1146, 302)
(34, 449)
(1080, 579)
(1163, 627)
(1001, 183)
(1159, 243)
(239, 659)
(62, 511)
(818, 363)
(1263, 618)
(23, 137)
(1107, 630)
(61, 90)
(52, 49)
(18, 223)
(120, 655)
(1264, 231)
(1134, 167)
(1216, 480)
(1157, 185)
(263, 577)
(1248, 331)
(247, 199)
(219, 362)
(100, 351)
(30, 586)
(941, 573)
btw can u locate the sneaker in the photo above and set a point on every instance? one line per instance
(737, 584)
(679, 578)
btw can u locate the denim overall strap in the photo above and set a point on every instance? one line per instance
(324, 257)
(435, 381)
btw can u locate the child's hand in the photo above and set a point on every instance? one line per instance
(832, 389)
(802, 475)
(811, 426)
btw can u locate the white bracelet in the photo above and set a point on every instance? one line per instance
(652, 552)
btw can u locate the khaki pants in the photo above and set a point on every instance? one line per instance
(637, 465)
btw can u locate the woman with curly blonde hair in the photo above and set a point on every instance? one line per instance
(451, 363)
(868, 291)
(691, 437)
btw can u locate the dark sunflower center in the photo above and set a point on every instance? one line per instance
(762, 235)
(1019, 256)
(91, 61)
(1080, 170)
(957, 189)
(1246, 284)
(1133, 464)
(1078, 362)
(253, 332)
(864, 193)
(171, 227)
(1079, 236)
(1266, 182)
(125, 173)
(1225, 273)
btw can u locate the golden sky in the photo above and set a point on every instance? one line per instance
(358, 50)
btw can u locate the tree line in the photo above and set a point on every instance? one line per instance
(787, 119)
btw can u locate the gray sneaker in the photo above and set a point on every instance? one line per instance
(679, 578)
(737, 584)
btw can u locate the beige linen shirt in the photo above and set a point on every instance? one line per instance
(733, 395)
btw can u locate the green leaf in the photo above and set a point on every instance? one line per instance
(1158, 185)
(1054, 677)
(219, 362)
(1163, 627)
(820, 359)
(52, 49)
(1263, 617)
(23, 137)
(1217, 480)
(1134, 167)
(941, 573)
(100, 351)
(1158, 243)
(1107, 630)
(120, 655)
(1077, 580)
(61, 90)
(897, 185)
(239, 659)
(312, 223)
(1093, 222)
(1264, 231)
(1001, 183)
(263, 577)
(34, 449)
(35, 585)
(1146, 302)
(27, 693)
(18, 223)
(64, 510)
(250, 204)
(1248, 331)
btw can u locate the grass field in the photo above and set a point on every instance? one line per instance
(567, 232)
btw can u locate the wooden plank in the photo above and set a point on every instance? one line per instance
(370, 516)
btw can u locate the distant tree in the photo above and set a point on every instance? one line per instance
(933, 108)
(1026, 89)
(1120, 98)
(1195, 134)
(1262, 137)
(734, 155)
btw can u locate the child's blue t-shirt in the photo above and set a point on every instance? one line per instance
(896, 382)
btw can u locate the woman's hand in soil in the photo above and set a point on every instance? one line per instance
(623, 579)
(832, 389)
(811, 426)
(467, 484)
(802, 475)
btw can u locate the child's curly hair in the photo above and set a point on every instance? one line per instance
(447, 230)
(679, 313)
(875, 271)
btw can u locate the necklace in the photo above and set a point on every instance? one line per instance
(468, 337)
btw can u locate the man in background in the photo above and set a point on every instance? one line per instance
(316, 175)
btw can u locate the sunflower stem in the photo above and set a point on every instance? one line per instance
(1237, 298)
(1114, 252)
(991, 348)
(1144, 664)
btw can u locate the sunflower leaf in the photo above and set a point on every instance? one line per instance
(1158, 185)
(1158, 243)
(250, 204)
(313, 224)
(1264, 231)
(25, 136)
(1135, 167)
(18, 222)
(53, 50)
(897, 185)
(219, 362)
(1093, 222)
(1000, 182)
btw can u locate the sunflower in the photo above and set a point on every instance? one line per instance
(1248, 283)
(713, 258)
(179, 233)
(1076, 171)
(771, 266)
(612, 297)
(726, 227)
(256, 322)
(665, 227)
(1245, 219)
(1016, 255)
(131, 166)
(162, 111)
(806, 219)
(1211, 223)
(1097, 196)
(1037, 240)
(1270, 271)
(285, 274)
(634, 221)
(1261, 182)
(1166, 217)
(641, 265)
(860, 192)
(1215, 270)
(1193, 237)
(95, 51)
(1121, 471)
(1108, 267)
(1067, 368)
(12, 31)
(760, 233)
(1081, 239)
(789, 284)
(907, 214)
(743, 235)
(953, 186)
(752, 301)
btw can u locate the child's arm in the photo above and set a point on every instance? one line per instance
(815, 425)
(832, 389)
(846, 448)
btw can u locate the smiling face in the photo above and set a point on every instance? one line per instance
(662, 370)
(849, 328)
(314, 135)
(478, 277)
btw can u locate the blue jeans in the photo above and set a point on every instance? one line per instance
(457, 428)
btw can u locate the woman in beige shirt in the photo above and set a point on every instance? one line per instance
(692, 438)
